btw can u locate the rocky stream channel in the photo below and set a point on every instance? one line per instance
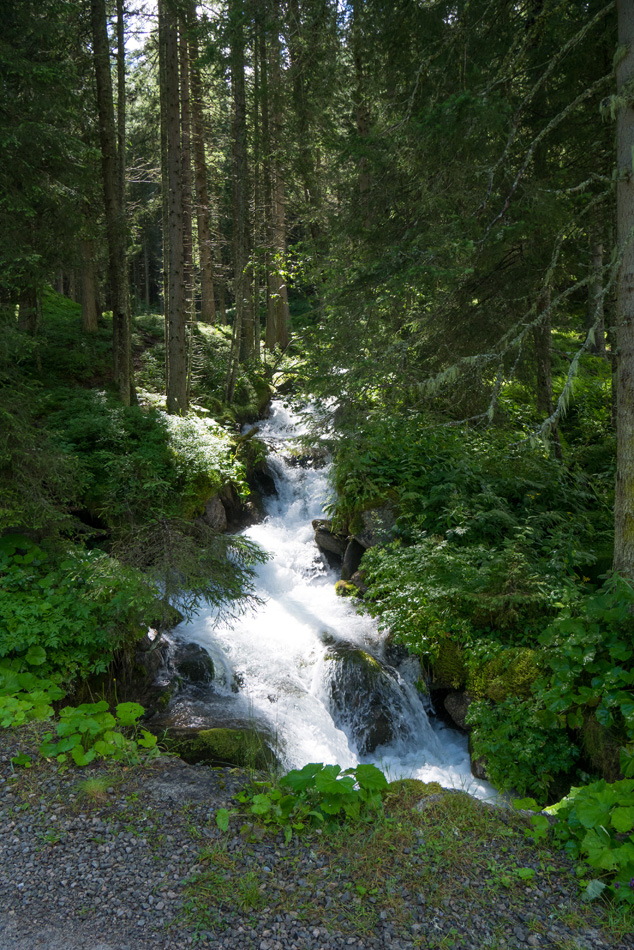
(304, 677)
(114, 857)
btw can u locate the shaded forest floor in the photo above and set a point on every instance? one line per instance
(110, 858)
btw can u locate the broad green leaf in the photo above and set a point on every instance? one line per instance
(81, 757)
(222, 819)
(261, 805)
(128, 713)
(147, 740)
(623, 819)
(368, 776)
(35, 655)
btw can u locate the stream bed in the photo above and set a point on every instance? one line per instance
(304, 667)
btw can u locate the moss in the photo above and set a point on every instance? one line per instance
(245, 748)
(511, 673)
(449, 669)
(410, 791)
(602, 748)
(344, 589)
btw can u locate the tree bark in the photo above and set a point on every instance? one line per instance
(624, 496)
(176, 351)
(28, 311)
(89, 305)
(242, 340)
(203, 216)
(115, 227)
(278, 288)
(186, 172)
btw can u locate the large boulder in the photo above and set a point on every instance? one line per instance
(326, 540)
(362, 697)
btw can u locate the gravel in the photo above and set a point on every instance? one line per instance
(116, 874)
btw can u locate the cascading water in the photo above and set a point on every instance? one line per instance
(305, 666)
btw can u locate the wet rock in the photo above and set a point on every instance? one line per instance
(326, 540)
(358, 579)
(362, 695)
(351, 559)
(191, 662)
(215, 514)
(457, 703)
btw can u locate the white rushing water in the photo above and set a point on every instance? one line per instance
(302, 660)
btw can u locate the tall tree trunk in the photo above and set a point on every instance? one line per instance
(270, 335)
(164, 180)
(146, 272)
(242, 342)
(176, 352)
(28, 311)
(186, 173)
(203, 216)
(278, 204)
(115, 226)
(89, 304)
(624, 496)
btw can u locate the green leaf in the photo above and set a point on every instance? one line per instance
(81, 757)
(593, 890)
(301, 779)
(22, 759)
(147, 740)
(222, 819)
(261, 805)
(128, 713)
(368, 776)
(35, 656)
(623, 819)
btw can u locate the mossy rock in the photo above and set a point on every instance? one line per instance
(345, 589)
(245, 748)
(511, 673)
(602, 748)
(449, 669)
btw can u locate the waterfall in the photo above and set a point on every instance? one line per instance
(304, 666)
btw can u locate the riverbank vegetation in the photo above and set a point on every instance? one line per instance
(418, 215)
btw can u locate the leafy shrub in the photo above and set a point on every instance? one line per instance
(315, 794)
(522, 749)
(590, 651)
(596, 824)
(90, 730)
(79, 606)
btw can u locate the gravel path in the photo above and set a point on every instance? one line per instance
(144, 867)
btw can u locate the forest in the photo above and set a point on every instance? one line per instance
(416, 216)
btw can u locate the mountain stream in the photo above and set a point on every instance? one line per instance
(306, 668)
